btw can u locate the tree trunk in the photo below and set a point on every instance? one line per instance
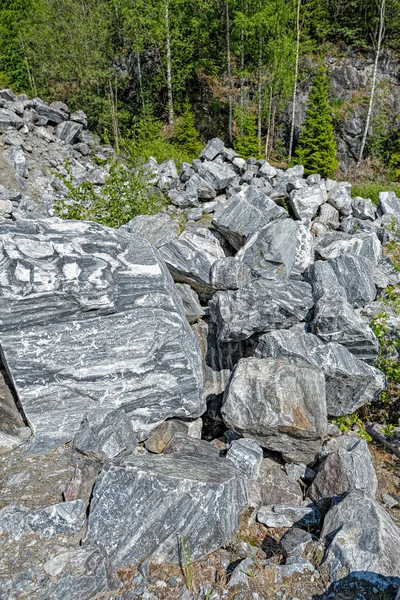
(228, 48)
(269, 123)
(140, 79)
(381, 34)
(296, 74)
(259, 92)
(169, 68)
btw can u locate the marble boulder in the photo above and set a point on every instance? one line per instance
(90, 321)
(175, 502)
(278, 404)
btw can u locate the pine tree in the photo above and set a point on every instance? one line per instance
(186, 136)
(246, 143)
(316, 149)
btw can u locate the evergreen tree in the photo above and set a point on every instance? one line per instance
(316, 149)
(187, 136)
(246, 143)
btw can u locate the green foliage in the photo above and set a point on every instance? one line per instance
(187, 565)
(148, 139)
(186, 136)
(350, 422)
(316, 149)
(371, 189)
(124, 196)
(246, 143)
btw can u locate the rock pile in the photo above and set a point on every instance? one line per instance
(116, 342)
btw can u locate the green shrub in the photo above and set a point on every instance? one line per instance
(124, 195)
(186, 136)
(371, 189)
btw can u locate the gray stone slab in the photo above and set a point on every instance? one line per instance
(337, 243)
(96, 316)
(190, 258)
(350, 382)
(245, 213)
(363, 540)
(174, 503)
(279, 248)
(305, 201)
(219, 176)
(264, 305)
(157, 229)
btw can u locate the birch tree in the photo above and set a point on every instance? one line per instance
(380, 36)
(229, 67)
(169, 67)
(296, 76)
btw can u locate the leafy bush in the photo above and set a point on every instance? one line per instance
(124, 195)
(149, 139)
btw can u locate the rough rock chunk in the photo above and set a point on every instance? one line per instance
(280, 405)
(163, 434)
(245, 213)
(364, 209)
(340, 198)
(17, 159)
(190, 258)
(305, 202)
(230, 274)
(329, 216)
(283, 515)
(218, 175)
(247, 456)
(13, 431)
(337, 243)
(212, 149)
(323, 280)
(105, 437)
(64, 518)
(388, 204)
(182, 444)
(69, 132)
(348, 468)
(53, 115)
(191, 500)
(356, 275)
(79, 574)
(264, 305)
(295, 542)
(200, 187)
(336, 321)
(350, 382)
(157, 229)
(279, 248)
(363, 539)
(8, 118)
(273, 486)
(190, 301)
(101, 325)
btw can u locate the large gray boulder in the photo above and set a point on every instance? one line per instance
(336, 321)
(340, 197)
(8, 118)
(190, 301)
(175, 503)
(230, 274)
(53, 115)
(388, 204)
(362, 538)
(336, 243)
(364, 209)
(356, 275)
(212, 149)
(157, 229)
(190, 258)
(350, 382)
(69, 132)
(347, 468)
(321, 276)
(96, 316)
(245, 213)
(273, 486)
(305, 201)
(278, 404)
(280, 247)
(218, 175)
(263, 305)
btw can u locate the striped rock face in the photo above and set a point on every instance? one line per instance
(90, 322)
